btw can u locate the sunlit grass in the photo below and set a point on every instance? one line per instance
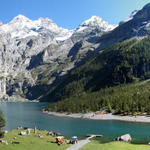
(95, 145)
(31, 142)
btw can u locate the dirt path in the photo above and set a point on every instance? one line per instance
(80, 144)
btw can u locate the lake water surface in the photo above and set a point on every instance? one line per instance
(30, 115)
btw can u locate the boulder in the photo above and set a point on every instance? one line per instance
(125, 138)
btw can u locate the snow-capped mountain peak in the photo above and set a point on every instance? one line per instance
(20, 18)
(95, 22)
(22, 27)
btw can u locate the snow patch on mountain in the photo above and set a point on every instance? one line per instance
(64, 36)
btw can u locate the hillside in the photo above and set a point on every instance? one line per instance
(112, 80)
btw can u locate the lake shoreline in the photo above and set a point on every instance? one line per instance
(108, 116)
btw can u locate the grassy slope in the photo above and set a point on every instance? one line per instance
(32, 142)
(95, 145)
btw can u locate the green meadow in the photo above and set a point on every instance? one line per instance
(31, 142)
(96, 145)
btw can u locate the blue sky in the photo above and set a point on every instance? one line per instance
(70, 13)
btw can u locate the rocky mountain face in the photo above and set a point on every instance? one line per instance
(35, 55)
(92, 27)
(136, 26)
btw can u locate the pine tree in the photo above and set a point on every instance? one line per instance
(2, 124)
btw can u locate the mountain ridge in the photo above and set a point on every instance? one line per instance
(23, 22)
(37, 53)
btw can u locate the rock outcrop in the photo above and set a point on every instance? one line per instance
(125, 138)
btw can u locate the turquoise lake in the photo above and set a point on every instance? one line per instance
(30, 115)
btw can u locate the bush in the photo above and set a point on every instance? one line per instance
(1, 134)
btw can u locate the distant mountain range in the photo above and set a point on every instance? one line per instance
(36, 56)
